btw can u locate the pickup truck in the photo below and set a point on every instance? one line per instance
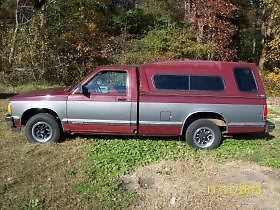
(199, 100)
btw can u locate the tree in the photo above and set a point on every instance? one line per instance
(213, 19)
(247, 40)
(272, 57)
(159, 8)
(6, 16)
(60, 43)
(167, 41)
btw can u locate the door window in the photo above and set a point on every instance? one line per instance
(108, 82)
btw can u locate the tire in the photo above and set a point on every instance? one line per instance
(43, 128)
(203, 134)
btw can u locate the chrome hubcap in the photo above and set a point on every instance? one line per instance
(42, 132)
(204, 137)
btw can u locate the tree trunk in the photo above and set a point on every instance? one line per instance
(187, 7)
(11, 56)
(262, 59)
(266, 23)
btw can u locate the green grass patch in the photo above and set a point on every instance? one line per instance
(263, 152)
(273, 112)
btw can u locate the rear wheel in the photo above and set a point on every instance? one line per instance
(42, 128)
(203, 134)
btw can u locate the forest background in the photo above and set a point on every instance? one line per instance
(58, 42)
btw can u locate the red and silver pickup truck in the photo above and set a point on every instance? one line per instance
(199, 100)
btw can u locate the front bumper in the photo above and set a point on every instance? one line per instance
(11, 124)
(269, 126)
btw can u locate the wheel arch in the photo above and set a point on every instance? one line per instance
(215, 117)
(33, 111)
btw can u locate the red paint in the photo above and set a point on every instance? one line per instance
(96, 128)
(16, 123)
(265, 112)
(231, 95)
(144, 129)
(53, 94)
(201, 99)
(160, 130)
(245, 129)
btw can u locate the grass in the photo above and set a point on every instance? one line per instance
(86, 173)
(273, 112)
(23, 88)
(264, 151)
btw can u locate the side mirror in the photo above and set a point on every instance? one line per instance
(85, 91)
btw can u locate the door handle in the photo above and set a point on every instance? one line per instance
(122, 99)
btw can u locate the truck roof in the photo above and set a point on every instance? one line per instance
(195, 63)
(189, 63)
(204, 62)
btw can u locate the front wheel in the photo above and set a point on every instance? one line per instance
(42, 128)
(203, 134)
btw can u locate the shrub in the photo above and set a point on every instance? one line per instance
(271, 81)
(166, 42)
(133, 21)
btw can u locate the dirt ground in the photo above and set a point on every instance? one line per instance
(181, 185)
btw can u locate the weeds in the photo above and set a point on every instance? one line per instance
(32, 204)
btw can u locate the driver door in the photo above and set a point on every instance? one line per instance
(103, 106)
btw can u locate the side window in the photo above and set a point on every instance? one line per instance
(206, 83)
(108, 82)
(245, 80)
(171, 82)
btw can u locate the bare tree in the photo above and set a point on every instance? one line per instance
(14, 34)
